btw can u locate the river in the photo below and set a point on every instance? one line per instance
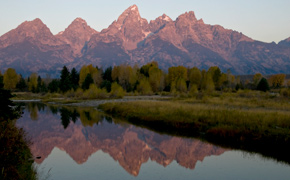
(83, 143)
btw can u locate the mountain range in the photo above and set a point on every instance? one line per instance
(131, 39)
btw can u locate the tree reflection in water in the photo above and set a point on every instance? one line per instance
(84, 131)
(81, 132)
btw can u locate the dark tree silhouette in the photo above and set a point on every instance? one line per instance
(263, 85)
(88, 81)
(65, 81)
(65, 117)
(107, 75)
(53, 85)
(74, 77)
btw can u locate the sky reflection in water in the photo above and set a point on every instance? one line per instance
(84, 144)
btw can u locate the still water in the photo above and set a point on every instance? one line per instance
(83, 143)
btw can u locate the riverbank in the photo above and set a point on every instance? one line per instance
(16, 161)
(250, 123)
(60, 99)
(248, 120)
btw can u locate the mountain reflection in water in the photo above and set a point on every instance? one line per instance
(81, 132)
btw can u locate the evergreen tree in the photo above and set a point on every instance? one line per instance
(21, 85)
(53, 85)
(65, 81)
(263, 85)
(74, 77)
(87, 82)
(107, 75)
(107, 85)
(65, 117)
(41, 87)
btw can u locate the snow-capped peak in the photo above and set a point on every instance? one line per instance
(134, 7)
(60, 33)
(166, 18)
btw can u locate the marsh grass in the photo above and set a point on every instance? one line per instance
(199, 113)
(253, 124)
(228, 117)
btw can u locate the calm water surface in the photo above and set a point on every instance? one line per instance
(82, 143)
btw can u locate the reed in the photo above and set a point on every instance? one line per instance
(238, 122)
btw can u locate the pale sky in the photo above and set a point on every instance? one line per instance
(263, 20)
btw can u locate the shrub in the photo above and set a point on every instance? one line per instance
(193, 90)
(117, 91)
(70, 93)
(285, 92)
(94, 93)
(144, 87)
(79, 93)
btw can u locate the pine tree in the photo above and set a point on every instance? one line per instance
(263, 85)
(65, 81)
(87, 82)
(53, 85)
(21, 85)
(74, 77)
(107, 75)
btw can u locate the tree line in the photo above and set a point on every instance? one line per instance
(147, 79)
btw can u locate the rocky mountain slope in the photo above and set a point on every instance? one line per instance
(285, 42)
(131, 39)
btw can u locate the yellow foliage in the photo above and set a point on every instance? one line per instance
(32, 84)
(175, 73)
(117, 91)
(83, 73)
(193, 90)
(194, 76)
(156, 79)
(256, 79)
(10, 79)
(144, 87)
(94, 93)
(181, 85)
(277, 80)
(125, 74)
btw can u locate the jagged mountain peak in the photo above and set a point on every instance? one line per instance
(131, 40)
(131, 13)
(130, 28)
(79, 20)
(35, 21)
(77, 34)
(79, 25)
(187, 15)
(33, 25)
(34, 29)
(134, 7)
(159, 23)
(165, 17)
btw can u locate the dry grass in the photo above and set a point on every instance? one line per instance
(228, 116)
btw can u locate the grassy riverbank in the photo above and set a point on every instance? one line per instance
(242, 121)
